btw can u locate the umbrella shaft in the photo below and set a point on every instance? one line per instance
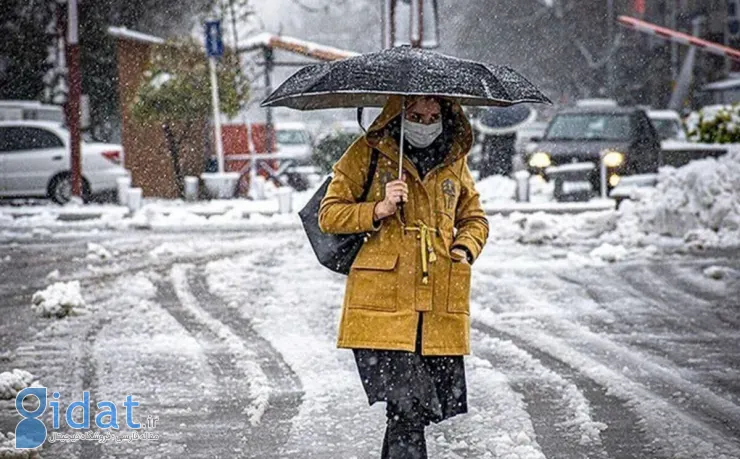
(400, 146)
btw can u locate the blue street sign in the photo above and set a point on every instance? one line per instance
(214, 43)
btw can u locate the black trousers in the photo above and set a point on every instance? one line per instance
(404, 433)
(418, 390)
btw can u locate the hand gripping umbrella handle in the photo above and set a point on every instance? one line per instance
(400, 156)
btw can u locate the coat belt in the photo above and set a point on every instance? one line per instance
(426, 247)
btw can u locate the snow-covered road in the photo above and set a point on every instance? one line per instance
(229, 339)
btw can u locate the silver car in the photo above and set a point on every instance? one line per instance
(35, 162)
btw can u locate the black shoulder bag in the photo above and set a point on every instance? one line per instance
(335, 251)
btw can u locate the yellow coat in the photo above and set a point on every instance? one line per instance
(386, 286)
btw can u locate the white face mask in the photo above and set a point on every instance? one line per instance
(421, 135)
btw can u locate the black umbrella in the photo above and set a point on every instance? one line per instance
(368, 79)
(504, 120)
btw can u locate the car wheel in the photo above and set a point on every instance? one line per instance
(60, 189)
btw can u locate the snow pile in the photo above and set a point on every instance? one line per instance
(172, 249)
(608, 252)
(98, 252)
(12, 382)
(699, 202)
(717, 272)
(496, 188)
(542, 227)
(59, 300)
(7, 448)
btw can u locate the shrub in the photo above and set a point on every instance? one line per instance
(715, 124)
(330, 148)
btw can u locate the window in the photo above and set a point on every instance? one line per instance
(27, 138)
(591, 126)
(291, 137)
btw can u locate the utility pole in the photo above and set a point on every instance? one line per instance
(72, 107)
(269, 128)
(674, 45)
(422, 17)
(610, 35)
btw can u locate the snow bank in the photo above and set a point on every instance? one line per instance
(12, 382)
(496, 188)
(699, 202)
(59, 300)
(697, 205)
(541, 227)
(608, 252)
(7, 448)
(98, 252)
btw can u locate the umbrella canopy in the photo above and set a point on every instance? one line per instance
(504, 120)
(368, 79)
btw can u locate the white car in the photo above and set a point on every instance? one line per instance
(293, 141)
(35, 162)
(668, 124)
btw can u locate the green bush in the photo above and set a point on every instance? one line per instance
(329, 149)
(715, 124)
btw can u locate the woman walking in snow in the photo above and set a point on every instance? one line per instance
(406, 311)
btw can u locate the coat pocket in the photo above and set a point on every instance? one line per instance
(458, 291)
(374, 282)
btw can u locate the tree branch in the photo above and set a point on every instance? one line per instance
(590, 60)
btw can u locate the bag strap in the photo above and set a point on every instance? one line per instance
(370, 174)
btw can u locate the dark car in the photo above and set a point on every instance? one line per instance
(576, 140)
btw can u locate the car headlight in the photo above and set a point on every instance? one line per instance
(613, 158)
(540, 159)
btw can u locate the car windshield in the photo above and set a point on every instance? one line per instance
(589, 126)
(291, 137)
(667, 129)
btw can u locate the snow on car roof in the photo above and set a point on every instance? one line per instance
(291, 125)
(34, 123)
(664, 115)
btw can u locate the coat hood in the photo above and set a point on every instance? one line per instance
(462, 138)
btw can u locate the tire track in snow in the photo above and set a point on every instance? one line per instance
(286, 391)
(579, 419)
(661, 373)
(560, 413)
(230, 424)
(649, 387)
(205, 431)
(91, 449)
(294, 305)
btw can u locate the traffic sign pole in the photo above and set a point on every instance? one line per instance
(216, 114)
(214, 49)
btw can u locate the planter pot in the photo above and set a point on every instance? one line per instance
(123, 184)
(220, 185)
(285, 200)
(191, 188)
(133, 199)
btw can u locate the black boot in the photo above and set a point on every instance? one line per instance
(404, 435)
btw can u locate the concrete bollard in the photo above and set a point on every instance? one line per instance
(285, 200)
(133, 200)
(522, 185)
(123, 184)
(258, 188)
(192, 185)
